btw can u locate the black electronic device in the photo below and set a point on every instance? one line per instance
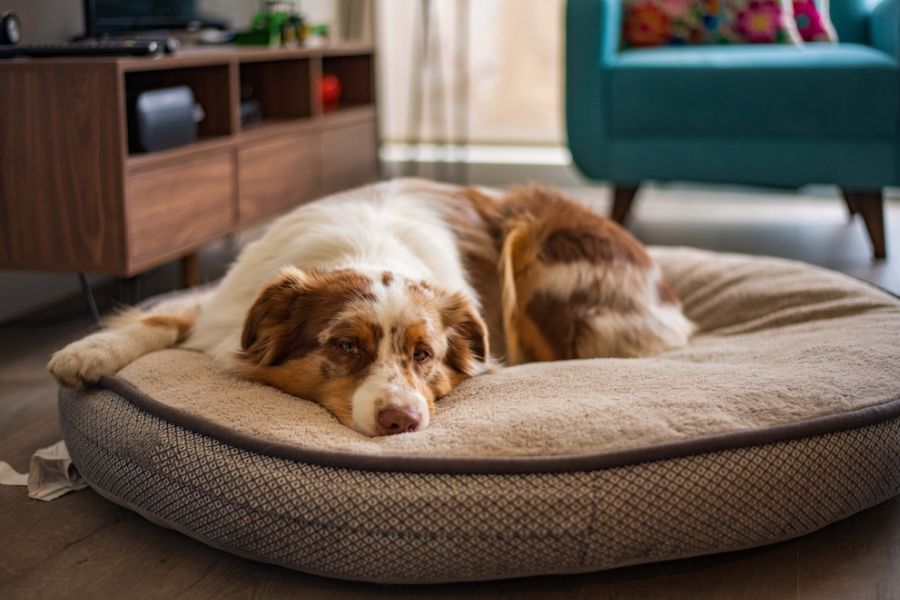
(112, 17)
(10, 34)
(94, 48)
(162, 118)
(10, 29)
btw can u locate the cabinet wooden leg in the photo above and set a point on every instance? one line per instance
(623, 197)
(870, 206)
(190, 270)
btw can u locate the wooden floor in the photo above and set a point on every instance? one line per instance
(81, 546)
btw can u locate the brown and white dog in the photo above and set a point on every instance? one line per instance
(377, 302)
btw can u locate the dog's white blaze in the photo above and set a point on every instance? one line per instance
(386, 380)
(392, 302)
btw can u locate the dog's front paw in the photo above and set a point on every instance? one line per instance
(84, 362)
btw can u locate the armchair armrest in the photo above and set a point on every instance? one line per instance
(593, 29)
(884, 27)
(592, 43)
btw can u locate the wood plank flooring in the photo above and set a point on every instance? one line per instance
(82, 546)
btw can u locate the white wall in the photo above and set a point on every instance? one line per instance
(239, 12)
(47, 20)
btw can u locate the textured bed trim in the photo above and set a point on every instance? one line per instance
(161, 522)
(540, 464)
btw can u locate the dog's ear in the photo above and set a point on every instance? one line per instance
(467, 337)
(274, 327)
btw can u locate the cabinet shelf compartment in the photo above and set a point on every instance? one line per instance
(355, 73)
(282, 88)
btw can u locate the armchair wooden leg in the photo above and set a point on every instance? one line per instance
(623, 197)
(870, 205)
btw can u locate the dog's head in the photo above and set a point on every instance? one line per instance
(376, 351)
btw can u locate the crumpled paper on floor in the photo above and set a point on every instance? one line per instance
(50, 475)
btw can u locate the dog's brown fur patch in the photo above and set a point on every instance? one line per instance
(546, 239)
(289, 314)
(467, 337)
(557, 328)
(567, 231)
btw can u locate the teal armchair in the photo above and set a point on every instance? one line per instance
(778, 115)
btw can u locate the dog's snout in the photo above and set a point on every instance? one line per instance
(398, 419)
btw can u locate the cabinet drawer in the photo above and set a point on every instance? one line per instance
(178, 208)
(277, 175)
(348, 156)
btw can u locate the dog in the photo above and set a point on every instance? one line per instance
(375, 303)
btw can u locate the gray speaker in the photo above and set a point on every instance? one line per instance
(163, 118)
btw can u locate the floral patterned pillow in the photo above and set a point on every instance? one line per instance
(758, 22)
(813, 22)
(650, 23)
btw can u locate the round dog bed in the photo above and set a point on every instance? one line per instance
(782, 416)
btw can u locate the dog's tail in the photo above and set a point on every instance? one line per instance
(126, 337)
(520, 247)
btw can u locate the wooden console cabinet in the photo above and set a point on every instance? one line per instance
(72, 198)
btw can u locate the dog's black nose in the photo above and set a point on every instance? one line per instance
(398, 419)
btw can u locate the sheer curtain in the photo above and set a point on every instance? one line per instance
(509, 87)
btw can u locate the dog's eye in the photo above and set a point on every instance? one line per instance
(348, 347)
(421, 355)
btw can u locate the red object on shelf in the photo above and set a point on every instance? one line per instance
(330, 88)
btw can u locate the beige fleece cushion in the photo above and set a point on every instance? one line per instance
(779, 342)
